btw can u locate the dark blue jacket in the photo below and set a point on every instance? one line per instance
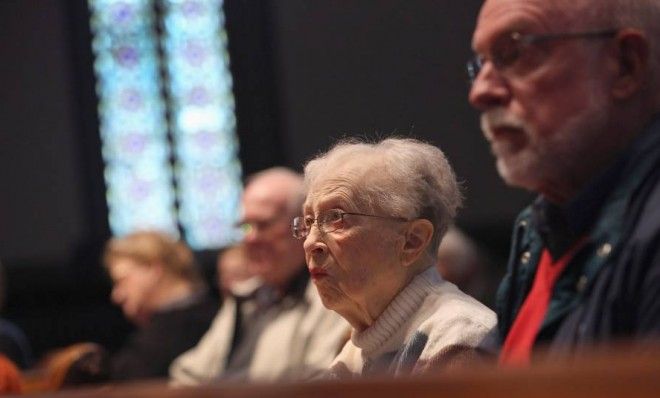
(611, 288)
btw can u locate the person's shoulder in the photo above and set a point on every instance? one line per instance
(203, 362)
(648, 224)
(221, 320)
(450, 308)
(458, 325)
(197, 314)
(525, 214)
(14, 344)
(206, 308)
(445, 298)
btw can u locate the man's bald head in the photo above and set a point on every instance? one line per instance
(271, 199)
(277, 184)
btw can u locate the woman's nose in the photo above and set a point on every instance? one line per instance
(313, 243)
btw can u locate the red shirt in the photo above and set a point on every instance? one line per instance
(518, 344)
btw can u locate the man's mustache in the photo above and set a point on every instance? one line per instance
(499, 118)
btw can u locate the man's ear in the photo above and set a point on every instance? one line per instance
(417, 238)
(631, 52)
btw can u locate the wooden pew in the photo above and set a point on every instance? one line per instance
(623, 372)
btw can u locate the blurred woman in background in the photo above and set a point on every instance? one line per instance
(159, 288)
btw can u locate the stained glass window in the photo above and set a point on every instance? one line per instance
(167, 119)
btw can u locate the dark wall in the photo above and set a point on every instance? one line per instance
(377, 67)
(49, 239)
(41, 200)
(307, 73)
(369, 68)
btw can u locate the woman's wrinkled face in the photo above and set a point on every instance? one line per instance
(351, 265)
(134, 284)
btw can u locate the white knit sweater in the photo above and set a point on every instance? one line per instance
(429, 325)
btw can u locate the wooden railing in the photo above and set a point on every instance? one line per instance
(624, 372)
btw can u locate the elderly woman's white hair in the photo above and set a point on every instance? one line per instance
(411, 179)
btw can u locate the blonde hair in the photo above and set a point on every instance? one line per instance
(147, 247)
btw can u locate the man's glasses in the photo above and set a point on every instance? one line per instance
(261, 226)
(508, 49)
(328, 221)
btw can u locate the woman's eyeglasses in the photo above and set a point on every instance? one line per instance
(328, 221)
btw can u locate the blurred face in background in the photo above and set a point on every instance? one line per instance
(134, 286)
(234, 274)
(273, 254)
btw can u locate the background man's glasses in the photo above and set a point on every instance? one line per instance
(328, 221)
(508, 49)
(261, 226)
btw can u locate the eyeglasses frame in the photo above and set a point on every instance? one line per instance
(474, 64)
(341, 216)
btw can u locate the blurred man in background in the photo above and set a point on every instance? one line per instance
(281, 330)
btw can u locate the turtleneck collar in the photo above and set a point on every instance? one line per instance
(397, 313)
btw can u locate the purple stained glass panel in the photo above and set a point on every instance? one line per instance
(208, 171)
(132, 116)
(139, 142)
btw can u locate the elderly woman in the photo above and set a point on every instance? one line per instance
(372, 222)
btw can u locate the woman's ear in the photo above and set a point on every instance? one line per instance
(418, 235)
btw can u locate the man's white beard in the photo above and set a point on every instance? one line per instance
(547, 161)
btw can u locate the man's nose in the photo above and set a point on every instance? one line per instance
(489, 88)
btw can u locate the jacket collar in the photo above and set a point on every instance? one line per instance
(561, 225)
